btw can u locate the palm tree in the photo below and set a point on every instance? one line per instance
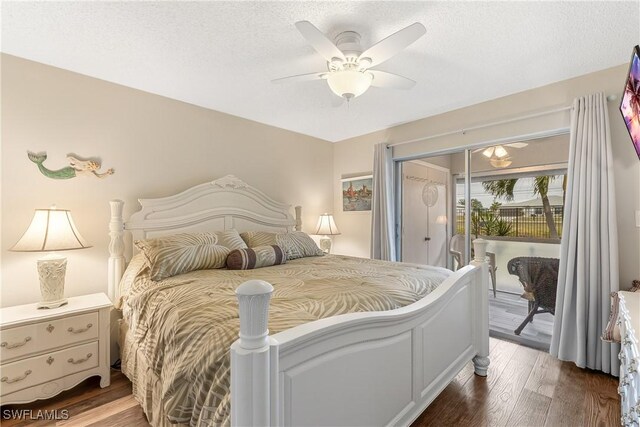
(503, 188)
(476, 204)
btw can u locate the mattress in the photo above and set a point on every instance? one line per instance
(175, 346)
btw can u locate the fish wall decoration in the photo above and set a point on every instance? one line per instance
(76, 167)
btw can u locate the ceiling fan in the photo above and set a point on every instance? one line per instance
(498, 155)
(349, 72)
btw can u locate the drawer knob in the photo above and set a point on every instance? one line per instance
(16, 379)
(75, 362)
(79, 331)
(14, 345)
(50, 360)
(50, 328)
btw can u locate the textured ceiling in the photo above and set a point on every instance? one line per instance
(222, 55)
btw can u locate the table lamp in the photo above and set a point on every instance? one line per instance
(51, 230)
(326, 227)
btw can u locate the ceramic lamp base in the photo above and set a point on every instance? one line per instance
(52, 269)
(325, 244)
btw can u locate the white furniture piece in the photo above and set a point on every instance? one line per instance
(44, 352)
(629, 389)
(372, 368)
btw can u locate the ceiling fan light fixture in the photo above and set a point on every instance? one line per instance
(364, 63)
(488, 152)
(500, 163)
(500, 152)
(349, 83)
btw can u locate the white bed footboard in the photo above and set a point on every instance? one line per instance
(380, 368)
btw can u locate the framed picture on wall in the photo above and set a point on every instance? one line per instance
(356, 193)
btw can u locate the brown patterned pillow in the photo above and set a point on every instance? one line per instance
(260, 256)
(612, 330)
(295, 244)
(181, 253)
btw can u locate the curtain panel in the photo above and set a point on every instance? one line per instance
(383, 239)
(588, 270)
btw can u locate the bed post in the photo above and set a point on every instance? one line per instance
(254, 359)
(298, 218)
(116, 248)
(481, 359)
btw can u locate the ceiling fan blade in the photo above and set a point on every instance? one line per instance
(477, 150)
(390, 80)
(517, 144)
(390, 46)
(301, 78)
(319, 41)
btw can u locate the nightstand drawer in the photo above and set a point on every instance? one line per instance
(40, 369)
(43, 336)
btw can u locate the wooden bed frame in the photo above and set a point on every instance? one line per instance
(373, 368)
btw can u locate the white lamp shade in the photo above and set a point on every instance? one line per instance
(326, 226)
(51, 230)
(349, 83)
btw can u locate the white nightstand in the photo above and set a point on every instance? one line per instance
(46, 351)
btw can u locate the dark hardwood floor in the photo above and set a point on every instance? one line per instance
(525, 387)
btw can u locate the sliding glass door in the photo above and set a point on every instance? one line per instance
(512, 196)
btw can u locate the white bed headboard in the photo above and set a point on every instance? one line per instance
(222, 204)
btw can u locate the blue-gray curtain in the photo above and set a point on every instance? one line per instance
(383, 241)
(589, 250)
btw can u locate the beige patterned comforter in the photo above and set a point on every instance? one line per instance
(183, 326)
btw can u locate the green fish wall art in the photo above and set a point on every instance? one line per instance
(76, 167)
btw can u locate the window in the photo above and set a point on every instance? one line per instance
(525, 205)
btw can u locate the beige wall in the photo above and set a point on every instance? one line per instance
(356, 154)
(157, 146)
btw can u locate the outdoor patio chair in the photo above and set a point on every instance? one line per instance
(539, 277)
(456, 248)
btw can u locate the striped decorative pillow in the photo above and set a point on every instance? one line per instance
(295, 244)
(260, 256)
(181, 253)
